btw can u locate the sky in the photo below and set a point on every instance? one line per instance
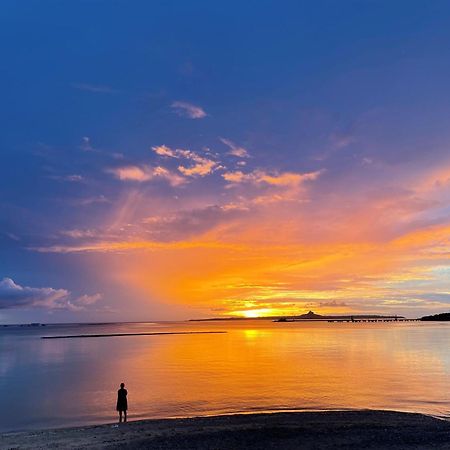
(178, 159)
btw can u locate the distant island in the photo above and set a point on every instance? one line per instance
(309, 316)
(443, 317)
(312, 316)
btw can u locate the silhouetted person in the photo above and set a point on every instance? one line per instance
(122, 404)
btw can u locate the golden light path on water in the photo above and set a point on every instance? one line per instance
(256, 366)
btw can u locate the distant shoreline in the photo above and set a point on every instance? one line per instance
(287, 430)
(298, 318)
(442, 317)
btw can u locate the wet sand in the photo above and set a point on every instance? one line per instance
(305, 430)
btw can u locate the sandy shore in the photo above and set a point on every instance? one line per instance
(318, 430)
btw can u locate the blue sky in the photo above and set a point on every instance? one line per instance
(330, 116)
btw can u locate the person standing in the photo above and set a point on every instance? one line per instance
(122, 403)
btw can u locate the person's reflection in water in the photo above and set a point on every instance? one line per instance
(122, 403)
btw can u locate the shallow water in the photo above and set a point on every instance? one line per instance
(256, 366)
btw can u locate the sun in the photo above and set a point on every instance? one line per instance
(255, 313)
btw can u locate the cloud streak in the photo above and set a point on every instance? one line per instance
(185, 109)
(146, 173)
(94, 88)
(235, 150)
(292, 179)
(72, 178)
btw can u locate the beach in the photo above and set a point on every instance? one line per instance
(286, 430)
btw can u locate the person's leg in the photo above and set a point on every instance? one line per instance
(120, 416)
(125, 416)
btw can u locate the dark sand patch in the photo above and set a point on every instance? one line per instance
(307, 430)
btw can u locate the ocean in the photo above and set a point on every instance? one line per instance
(257, 365)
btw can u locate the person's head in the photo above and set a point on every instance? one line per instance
(122, 385)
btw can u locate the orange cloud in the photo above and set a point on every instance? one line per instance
(273, 240)
(163, 150)
(133, 173)
(201, 168)
(281, 275)
(291, 179)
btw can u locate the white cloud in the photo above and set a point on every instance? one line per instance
(86, 145)
(98, 89)
(83, 302)
(73, 178)
(132, 173)
(14, 296)
(77, 233)
(12, 236)
(332, 304)
(202, 166)
(189, 110)
(235, 150)
(172, 178)
(146, 173)
(342, 140)
(92, 200)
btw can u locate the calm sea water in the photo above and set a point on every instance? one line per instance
(255, 366)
